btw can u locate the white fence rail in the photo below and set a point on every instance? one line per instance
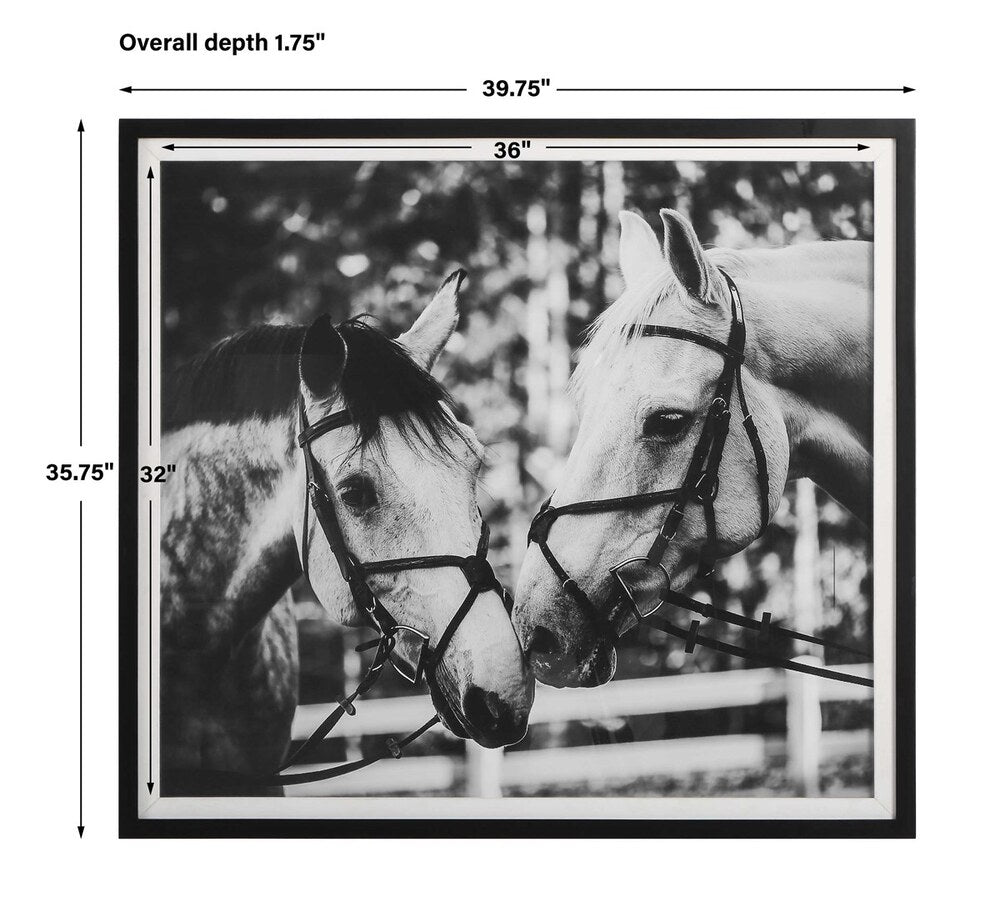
(486, 772)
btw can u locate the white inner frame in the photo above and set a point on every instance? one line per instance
(880, 806)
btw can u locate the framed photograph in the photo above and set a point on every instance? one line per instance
(517, 478)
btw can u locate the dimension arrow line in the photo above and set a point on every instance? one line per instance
(129, 89)
(149, 774)
(855, 147)
(149, 179)
(904, 89)
(174, 147)
(79, 130)
(80, 826)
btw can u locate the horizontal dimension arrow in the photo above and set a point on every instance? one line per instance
(905, 89)
(855, 147)
(129, 89)
(175, 147)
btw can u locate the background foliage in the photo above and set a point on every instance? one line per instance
(284, 242)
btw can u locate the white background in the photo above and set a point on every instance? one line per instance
(63, 64)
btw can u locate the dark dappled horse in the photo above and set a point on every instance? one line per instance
(792, 328)
(401, 477)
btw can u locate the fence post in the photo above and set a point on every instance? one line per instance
(352, 677)
(807, 599)
(804, 716)
(484, 768)
(805, 726)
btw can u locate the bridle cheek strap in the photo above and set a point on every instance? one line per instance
(316, 496)
(763, 478)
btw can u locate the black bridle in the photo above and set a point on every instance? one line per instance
(699, 486)
(475, 568)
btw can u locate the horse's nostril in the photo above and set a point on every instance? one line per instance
(487, 711)
(543, 642)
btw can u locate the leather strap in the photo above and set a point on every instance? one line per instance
(763, 478)
(316, 495)
(548, 514)
(310, 433)
(392, 748)
(729, 350)
(693, 638)
(344, 707)
(711, 612)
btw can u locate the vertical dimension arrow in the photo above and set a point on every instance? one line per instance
(79, 130)
(149, 180)
(79, 827)
(149, 774)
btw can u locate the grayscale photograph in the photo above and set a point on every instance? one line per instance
(514, 480)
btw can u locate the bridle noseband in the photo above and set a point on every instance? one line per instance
(701, 486)
(475, 568)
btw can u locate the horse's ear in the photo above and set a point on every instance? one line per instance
(683, 251)
(430, 332)
(639, 251)
(322, 358)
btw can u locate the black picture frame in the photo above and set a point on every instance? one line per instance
(902, 825)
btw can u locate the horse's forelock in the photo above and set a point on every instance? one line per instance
(381, 380)
(615, 327)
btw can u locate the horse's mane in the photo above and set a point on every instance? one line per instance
(617, 326)
(255, 374)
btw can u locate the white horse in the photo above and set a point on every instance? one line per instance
(642, 403)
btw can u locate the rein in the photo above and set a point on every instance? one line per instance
(701, 486)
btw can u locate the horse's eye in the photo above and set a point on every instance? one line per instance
(665, 424)
(357, 493)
